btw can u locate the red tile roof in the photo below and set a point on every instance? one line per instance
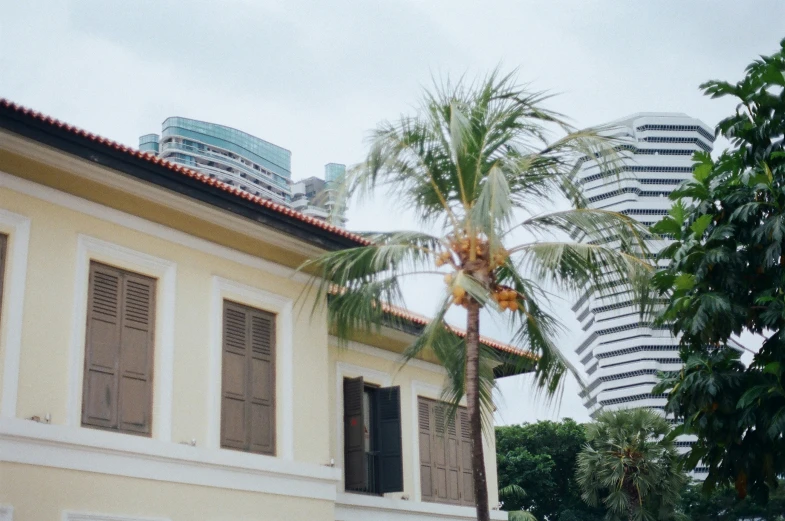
(361, 241)
(185, 171)
(421, 320)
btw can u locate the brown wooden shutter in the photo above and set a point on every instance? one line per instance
(117, 391)
(388, 407)
(234, 378)
(136, 355)
(262, 380)
(465, 441)
(3, 248)
(445, 454)
(427, 483)
(355, 469)
(248, 379)
(452, 449)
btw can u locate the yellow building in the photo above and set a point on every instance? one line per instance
(155, 362)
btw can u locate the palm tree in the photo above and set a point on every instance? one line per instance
(476, 165)
(630, 464)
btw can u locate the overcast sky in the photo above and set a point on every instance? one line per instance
(315, 76)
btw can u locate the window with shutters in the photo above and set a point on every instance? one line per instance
(248, 379)
(118, 375)
(373, 461)
(445, 454)
(3, 247)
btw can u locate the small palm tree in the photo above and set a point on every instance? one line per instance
(476, 165)
(630, 465)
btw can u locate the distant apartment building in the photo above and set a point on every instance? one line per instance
(319, 197)
(227, 154)
(620, 352)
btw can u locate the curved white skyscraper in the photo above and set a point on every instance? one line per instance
(620, 353)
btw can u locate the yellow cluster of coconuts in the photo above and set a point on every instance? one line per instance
(461, 249)
(507, 298)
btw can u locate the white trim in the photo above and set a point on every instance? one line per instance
(6, 513)
(18, 229)
(284, 349)
(433, 392)
(90, 248)
(139, 224)
(397, 358)
(346, 370)
(93, 450)
(360, 507)
(92, 516)
(130, 185)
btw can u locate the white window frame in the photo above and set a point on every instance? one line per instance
(165, 271)
(17, 227)
(431, 392)
(224, 289)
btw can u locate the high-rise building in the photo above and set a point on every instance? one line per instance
(620, 352)
(319, 197)
(227, 154)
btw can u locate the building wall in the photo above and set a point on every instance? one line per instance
(88, 470)
(57, 491)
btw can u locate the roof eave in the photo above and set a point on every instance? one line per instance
(108, 156)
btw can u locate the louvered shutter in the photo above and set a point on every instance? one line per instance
(3, 247)
(118, 379)
(427, 483)
(136, 354)
(102, 348)
(452, 450)
(234, 414)
(388, 407)
(465, 453)
(355, 469)
(248, 379)
(445, 454)
(262, 383)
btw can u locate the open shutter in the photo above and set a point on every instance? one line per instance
(234, 416)
(262, 401)
(355, 469)
(465, 454)
(388, 407)
(102, 347)
(136, 354)
(3, 247)
(427, 484)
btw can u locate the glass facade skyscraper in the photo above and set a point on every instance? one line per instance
(227, 154)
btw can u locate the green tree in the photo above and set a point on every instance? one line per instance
(630, 466)
(540, 459)
(475, 164)
(722, 504)
(726, 275)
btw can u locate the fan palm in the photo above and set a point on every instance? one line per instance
(475, 164)
(631, 466)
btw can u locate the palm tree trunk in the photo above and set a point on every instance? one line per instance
(473, 406)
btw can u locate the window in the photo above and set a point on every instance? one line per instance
(3, 247)
(248, 380)
(373, 461)
(445, 454)
(118, 372)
